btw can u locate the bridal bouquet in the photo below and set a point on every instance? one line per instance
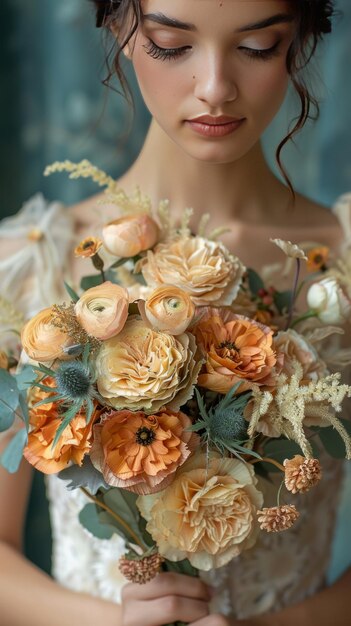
(174, 383)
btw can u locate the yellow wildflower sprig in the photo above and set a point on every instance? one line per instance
(84, 169)
(293, 403)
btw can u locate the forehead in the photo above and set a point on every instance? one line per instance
(235, 14)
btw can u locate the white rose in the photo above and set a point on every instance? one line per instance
(329, 301)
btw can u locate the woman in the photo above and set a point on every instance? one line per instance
(213, 74)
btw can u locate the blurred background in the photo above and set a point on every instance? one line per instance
(54, 107)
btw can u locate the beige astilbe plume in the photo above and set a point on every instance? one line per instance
(294, 404)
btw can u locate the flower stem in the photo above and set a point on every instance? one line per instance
(115, 516)
(304, 317)
(267, 460)
(279, 492)
(294, 293)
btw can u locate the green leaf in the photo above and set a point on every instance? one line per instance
(89, 518)
(96, 279)
(83, 476)
(72, 294)
(332, 441)
(24, 408)
(9, 399)
(282, 300)
(281, 449)
(12, 456)
(123, 503)
(25, 377)
(255, 281)
(119, 263)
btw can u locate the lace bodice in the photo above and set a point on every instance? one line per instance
(280, 570)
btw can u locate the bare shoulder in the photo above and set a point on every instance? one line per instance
(320, 220)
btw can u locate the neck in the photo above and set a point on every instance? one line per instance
(244, 190)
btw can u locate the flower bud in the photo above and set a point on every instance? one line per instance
(130, 235)
(328, 300)
(168, 309)
(103, 310)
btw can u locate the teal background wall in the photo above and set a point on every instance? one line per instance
(53, 106)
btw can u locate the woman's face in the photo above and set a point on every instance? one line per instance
(223, 59)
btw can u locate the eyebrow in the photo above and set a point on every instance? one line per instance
(171, 22)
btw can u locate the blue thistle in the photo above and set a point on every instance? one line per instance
(74, 388)
(224, 424)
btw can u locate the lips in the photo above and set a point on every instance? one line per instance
(212, 120)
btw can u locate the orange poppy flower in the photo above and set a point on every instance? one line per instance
(141, 452)
(236, 349)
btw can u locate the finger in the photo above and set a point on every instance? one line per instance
(165, 610)
(168, 584)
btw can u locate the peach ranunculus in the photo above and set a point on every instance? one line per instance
(168, 309)
(103, 310)
(205, 269)
(72, 446)
(236, 348)
(42, 341)
(295, 347)
(4, 362)
(141, 452)
(207, 514)
(130, 235)
(142, 369)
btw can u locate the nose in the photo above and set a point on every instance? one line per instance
(215, 82)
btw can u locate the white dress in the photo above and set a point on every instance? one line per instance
(282, 569)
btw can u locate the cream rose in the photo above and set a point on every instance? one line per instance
(42, 341)
(168, 309)
(130, 235)
(328, 300)
(103, 310)
(295, 347)
(142, 369)
(207, 514)
(204, 269)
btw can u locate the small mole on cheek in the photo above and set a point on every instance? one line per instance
(194, 77)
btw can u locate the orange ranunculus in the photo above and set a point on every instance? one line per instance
(103, 310)
(42, 341)
(141, 453)
(168, 309)
(73, 444)
(236, 348)
(130, 235)
(4, 362)
(88, 247)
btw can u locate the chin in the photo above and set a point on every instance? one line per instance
(215, 153)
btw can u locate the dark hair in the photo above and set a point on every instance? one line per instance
(314, 20)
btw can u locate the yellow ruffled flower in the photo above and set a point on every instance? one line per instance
(207, 514)
(89, 247)
(143, 370)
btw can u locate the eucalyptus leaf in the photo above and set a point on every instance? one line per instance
(25, 377)
(83, 476)
(9, 399)
(89, 518)
(72, 294)
(23, 401)
(11, 458)
(123, 503)
(255, 281)
(282, 300)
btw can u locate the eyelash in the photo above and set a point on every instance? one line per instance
(169, 54)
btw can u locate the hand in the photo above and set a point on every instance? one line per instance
(168, 598)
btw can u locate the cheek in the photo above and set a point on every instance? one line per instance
(267, 89)
(159, 82)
